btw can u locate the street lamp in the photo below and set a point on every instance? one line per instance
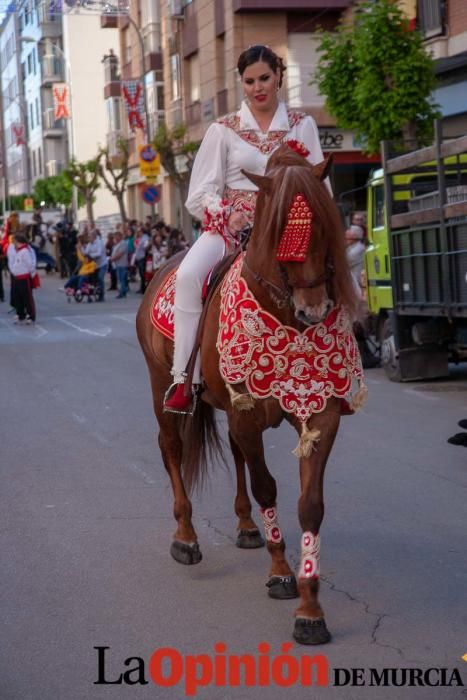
(71, 141)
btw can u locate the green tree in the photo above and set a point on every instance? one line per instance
(177, 155)
(114, 170)
(54, 190)
(377, 76)
(85, 176)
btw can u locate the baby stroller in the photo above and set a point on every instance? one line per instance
(90, 289)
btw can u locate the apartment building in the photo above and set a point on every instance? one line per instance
(444, 26)
(139, 57)
(15, 156)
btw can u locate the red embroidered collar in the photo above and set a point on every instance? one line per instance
(251, 136)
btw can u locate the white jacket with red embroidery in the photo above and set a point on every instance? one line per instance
(22, 261)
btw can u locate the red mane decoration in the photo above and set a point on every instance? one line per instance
(295, 239)
(298, 147)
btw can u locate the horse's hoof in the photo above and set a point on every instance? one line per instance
(282, 587)
(185, 553)
(249, 539)
(311, 631)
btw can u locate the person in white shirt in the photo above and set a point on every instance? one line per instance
(22, 266)
(223, 198)
(95, 250)
(355, 253)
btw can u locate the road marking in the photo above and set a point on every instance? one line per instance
(131, 319)
(421, 394)
(100, 333)
(78, 419)
(148, 479)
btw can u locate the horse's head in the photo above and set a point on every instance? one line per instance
(298, 220)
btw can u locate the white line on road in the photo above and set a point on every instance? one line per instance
(148, 479)
(105, 331)
(421, 394)
(130, 318)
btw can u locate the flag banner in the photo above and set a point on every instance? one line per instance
(61, 93)
(133, 94)
(18, 135)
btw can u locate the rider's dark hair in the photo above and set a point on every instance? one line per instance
(259, 52)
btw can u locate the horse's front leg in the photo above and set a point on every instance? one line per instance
(248, 535)
(310, 625)
(282, 583)
(184, 548)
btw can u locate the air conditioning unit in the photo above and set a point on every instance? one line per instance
(176, 9)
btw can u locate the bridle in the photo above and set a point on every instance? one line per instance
(283, 296)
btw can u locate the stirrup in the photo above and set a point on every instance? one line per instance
(175, 400)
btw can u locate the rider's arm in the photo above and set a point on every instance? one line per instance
(207, 180)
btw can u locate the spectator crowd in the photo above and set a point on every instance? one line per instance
(132, 253)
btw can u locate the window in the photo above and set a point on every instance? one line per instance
(39, 161)
(302, 60)
(175, 76)
(378, 206)
(37, 111)
(31, 116)
(430, 17)
(30, 64)
(194, 85)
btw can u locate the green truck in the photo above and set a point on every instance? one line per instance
(416, 260)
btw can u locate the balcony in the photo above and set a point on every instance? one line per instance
(54, 167)
(113, 141)
(49, 21)
(52, 71)
(51, 127)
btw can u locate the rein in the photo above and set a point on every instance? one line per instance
(282, 296)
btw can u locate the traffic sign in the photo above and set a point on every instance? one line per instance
(149, 161)
(150, 194)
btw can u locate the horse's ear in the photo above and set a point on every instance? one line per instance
(321, 170)
(263, 182)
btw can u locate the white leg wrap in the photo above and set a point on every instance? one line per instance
(193, 270)
(309, 561)
(271, 525)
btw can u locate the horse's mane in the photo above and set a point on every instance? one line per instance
(292, 173)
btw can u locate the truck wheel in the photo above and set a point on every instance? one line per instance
(389, 354)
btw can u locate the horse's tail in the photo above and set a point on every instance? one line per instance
(202, 445)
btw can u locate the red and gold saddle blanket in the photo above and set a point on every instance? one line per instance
(301, 370)
(162, 309)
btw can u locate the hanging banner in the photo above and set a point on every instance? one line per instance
(61, 93)
(17, 130)
(133, 94)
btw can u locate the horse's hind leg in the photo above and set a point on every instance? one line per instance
(310, 625)
(248, 536)
(282, 583)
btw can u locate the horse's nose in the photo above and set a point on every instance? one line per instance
(311, 315)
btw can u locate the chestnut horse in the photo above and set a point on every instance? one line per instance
(299, 295)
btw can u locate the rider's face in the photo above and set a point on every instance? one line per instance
(260, 85)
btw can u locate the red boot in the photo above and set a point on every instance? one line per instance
(178, 402)
(346, 410)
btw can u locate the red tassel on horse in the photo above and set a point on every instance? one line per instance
(295, 239)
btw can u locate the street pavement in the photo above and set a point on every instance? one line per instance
(86, 525)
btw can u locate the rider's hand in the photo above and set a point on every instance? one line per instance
(237, 221)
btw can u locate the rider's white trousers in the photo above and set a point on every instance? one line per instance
(200, 259)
